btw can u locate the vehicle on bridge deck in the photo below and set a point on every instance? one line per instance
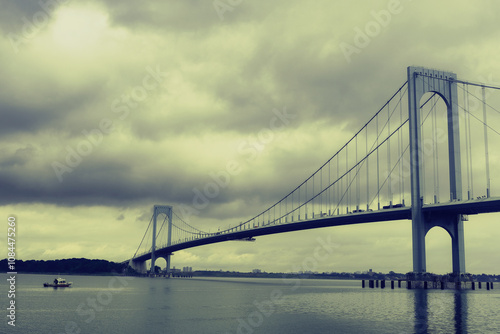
(58, 283)
(393, 206)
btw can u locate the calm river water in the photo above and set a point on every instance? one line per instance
(97, 304)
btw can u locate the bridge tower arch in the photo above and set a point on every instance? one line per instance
(421, 81)
(167, 210)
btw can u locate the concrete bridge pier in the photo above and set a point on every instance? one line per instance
(168, 260)
(139, 266)
(456, 230)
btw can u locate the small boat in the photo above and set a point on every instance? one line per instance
(58, 283)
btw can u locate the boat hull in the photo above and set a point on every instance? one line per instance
(52, 285)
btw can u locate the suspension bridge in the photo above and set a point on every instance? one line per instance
(423, 156)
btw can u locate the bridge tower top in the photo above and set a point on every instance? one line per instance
(166, 209)
(421, 81)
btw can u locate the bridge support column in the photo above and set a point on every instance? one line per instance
(458, 247)
(418, 240)
(167, 260)
(454, 225)
(420, 82)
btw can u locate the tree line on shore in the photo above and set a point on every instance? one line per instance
(100, 267)
(68, 266)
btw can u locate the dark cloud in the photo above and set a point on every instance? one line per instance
(16, 15)
(62, 111)
(97, 180)
(185, 16)
(21, 157)
(197, 17)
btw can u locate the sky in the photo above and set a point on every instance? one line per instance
(111, 107)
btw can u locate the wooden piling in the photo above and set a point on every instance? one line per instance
(382, 284)
(479, 285)
(392, 284)
(363, 283)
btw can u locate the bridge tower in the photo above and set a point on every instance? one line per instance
(421, 81)
(167, 210)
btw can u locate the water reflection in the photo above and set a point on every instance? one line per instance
(460, 312)
(421, 311)
(440, 312)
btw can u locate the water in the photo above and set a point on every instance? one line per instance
(97, 304)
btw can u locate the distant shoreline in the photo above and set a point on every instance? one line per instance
(233, 274)
(69, 274)
(86, 267)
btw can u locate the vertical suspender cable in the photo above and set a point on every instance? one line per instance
(305, 202)
(329, 196)
(367, 173)
(357, 176)
(312, 196)
(348, 176)
(470, 147)
(400, 132)
(437, 153)
(321, 189)
(389, 183)
(339, 182)
(378, 168)
(466, 111)
(291, 209)
(487, 158)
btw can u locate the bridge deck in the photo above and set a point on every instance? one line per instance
(476, 206)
